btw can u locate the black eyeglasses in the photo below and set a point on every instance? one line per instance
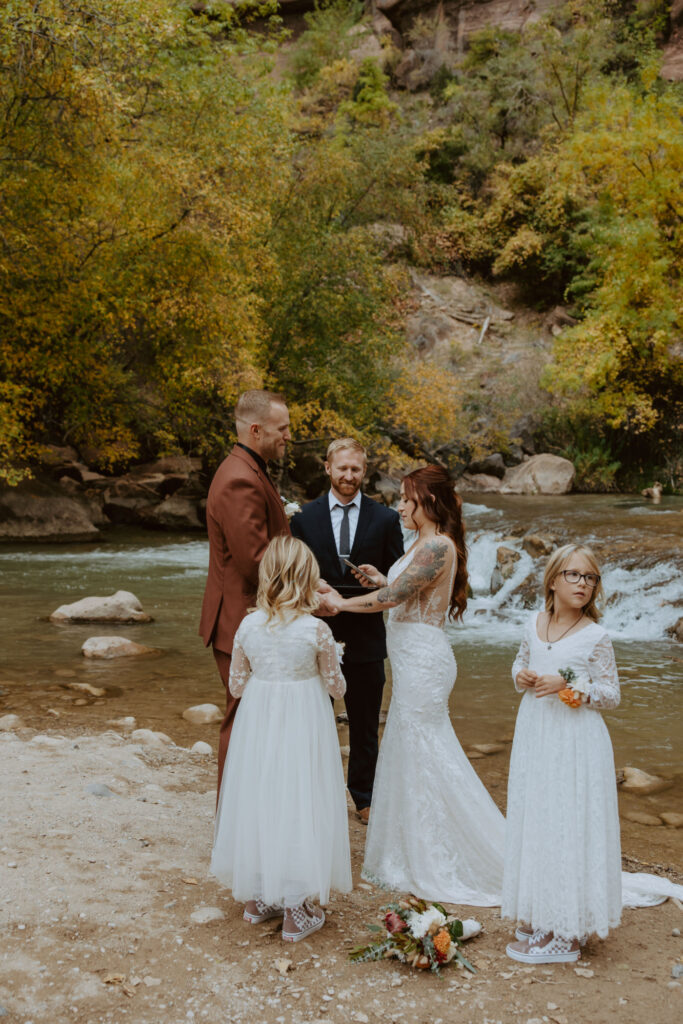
(573, 576)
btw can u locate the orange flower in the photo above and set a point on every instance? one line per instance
(442, 943)
(571, 699)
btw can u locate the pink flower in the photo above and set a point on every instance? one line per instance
(394, 923)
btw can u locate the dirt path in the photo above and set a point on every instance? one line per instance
(97, 893)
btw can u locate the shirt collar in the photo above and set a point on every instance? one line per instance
(333, 501)
(261, 463)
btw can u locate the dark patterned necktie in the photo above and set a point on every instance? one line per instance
(344, 536)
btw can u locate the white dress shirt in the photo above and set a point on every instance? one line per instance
(337, 516)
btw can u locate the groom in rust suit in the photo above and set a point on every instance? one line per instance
(243, 513)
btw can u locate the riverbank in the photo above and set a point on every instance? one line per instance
(100, 893)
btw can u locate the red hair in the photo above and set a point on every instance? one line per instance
(432, 488)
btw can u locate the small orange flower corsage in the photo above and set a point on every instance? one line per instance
(442, 943)
(570, 698)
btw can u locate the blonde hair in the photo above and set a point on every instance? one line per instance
(345, 442)
(288, 579)
(554, 567)
(254, 406)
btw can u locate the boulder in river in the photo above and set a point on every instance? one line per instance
(506, 559)
(541, 474)
(120, 607)
(537, 544)
(174, 513)
(478, 483)
(676, 631)
(114, 647)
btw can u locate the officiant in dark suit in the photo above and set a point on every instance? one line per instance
(346, 523)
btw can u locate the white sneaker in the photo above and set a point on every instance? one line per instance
(261, 912)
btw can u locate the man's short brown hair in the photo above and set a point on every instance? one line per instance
(345, 442)
(254, 406)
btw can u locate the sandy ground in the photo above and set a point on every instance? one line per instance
(97, 893)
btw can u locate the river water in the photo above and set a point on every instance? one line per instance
(641, 552)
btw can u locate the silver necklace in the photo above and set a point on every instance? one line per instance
(550, 642)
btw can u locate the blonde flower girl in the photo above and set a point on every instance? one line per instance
(281, 836)
(562, 872)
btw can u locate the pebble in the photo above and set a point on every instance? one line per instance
(200, 747)
(488, 748)
(94, 691)
(150, 982)
(475, 754)
(583, 972)
(673, 984)
(48, 741)
(641, 818)
(205, 914)
(676, 932)
(99, 789)
(677, 971)
(10, 722)
(127, 722)
(637, 781)
(3, 1011)
(672, 818)
(203, 714)
(150, 738)
(12, 864)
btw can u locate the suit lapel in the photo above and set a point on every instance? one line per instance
(364, 517)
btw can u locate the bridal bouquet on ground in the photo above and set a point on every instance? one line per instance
(575, 692)
(419, 934)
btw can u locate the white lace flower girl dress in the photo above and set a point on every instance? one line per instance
(281, 831)
(562, 849)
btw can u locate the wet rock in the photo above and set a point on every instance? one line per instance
(8, 723)
(541, 474)
(676, 631)
(506, 560)
(492, 465)
(677, 971)
(114, 647)
(672, 818)
(120, 607)
(200, 747)
(150, 738)
(99, 789)
(203, 714)
(478, 483)
(127, 511)
(641, 818)
(94, 691)
(537, 545)
(527, 591)
(206, 914)
(637, 781)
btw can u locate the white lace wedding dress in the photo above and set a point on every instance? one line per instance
(434, 830)
(281, 831)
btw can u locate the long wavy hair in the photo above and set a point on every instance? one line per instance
(432, 488)
(288, 579)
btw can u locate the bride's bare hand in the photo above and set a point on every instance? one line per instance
(375, 575)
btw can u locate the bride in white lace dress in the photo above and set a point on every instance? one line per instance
(434, 830)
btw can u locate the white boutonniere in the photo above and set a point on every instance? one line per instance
(291, 507)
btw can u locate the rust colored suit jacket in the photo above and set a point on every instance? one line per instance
(243, 513)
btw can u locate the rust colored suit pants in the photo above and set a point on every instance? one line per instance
(223, 662)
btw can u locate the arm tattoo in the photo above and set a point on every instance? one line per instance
(423, 570)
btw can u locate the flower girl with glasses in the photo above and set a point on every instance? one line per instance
(281, 836)
(562, 873)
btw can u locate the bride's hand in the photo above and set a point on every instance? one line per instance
(375, 575)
